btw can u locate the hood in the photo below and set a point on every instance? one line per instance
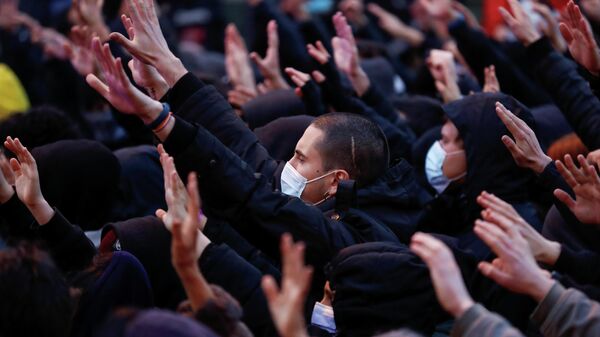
(422, 112)
(80, 178)
(272, 105)
(280, 136)
(380, 287)
(148, 240)
(396, 200)
(490, 166)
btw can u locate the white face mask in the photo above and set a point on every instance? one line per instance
(322, 317)
(434, 164)
(293, 183)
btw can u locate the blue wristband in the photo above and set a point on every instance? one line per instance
(161, 118)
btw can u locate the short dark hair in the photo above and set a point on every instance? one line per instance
(35, 297)
(353, 143)
(40, 126)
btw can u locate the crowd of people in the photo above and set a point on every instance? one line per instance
(324, 168)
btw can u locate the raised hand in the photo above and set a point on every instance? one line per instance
(187, 245)
(502, 214)
(514, 268)
(269, 66)
(318, 52)
(491, 83)
(27, 181)
(90, 11)
(525, 148)
(147, 42)
(79, 51)
(117, 89)
(579, 36)
(287, 304)
(395, 27)
(6, 175)
(354, 10)
(175, 192)
(519, 23)
(586, 184)
(345, 53)
(237, 62)
(551, 27)
(443, 70)
(447, 281)
(439, 9)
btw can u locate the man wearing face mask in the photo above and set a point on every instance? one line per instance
(470, 158)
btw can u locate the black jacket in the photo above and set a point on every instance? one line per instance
(395, 200)
(571, 92)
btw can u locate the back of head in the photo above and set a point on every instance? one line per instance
(80, 178)
(35, 297)
(355, 144)
(380, 287)
(40, 126)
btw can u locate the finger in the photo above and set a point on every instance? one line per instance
(124, 42)
(493, 236)
(505, 115)
(493, 273)
(565, 198)
(507, 17)
(193, 206)
(272, 35)
(318, 76)
(575, 171)
(98, 85)
(270, 289)
(161, 214)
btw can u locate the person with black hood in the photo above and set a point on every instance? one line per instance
(471, 135)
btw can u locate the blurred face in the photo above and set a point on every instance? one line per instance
(455, 163)
(308, 162)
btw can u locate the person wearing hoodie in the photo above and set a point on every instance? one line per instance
(471, 135)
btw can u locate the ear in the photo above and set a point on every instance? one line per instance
(337, 177)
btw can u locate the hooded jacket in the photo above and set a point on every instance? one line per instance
(381, 287)
(490, 166)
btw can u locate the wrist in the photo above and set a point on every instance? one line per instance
(41, 211)
(171, 69)
(551, 253)
(151, 112)
(541, 287)
(540, 164)
(462, 307)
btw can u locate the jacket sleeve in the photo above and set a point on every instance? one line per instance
(479, 52)
(222, 232)
(571, 93)
(244, 198)
(550, 179)
(478, 322)
(583, 266)
(66, 243)
(198, 103)
(222, 266)
(567, 313)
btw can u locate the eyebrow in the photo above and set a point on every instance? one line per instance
(298, 152)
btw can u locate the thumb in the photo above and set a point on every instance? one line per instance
(123, 41)
(492, 272)
(161, 214)
(318, 76)
(270, 288)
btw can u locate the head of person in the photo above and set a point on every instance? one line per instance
(446, 160)
(35, 297)
(335, 147)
